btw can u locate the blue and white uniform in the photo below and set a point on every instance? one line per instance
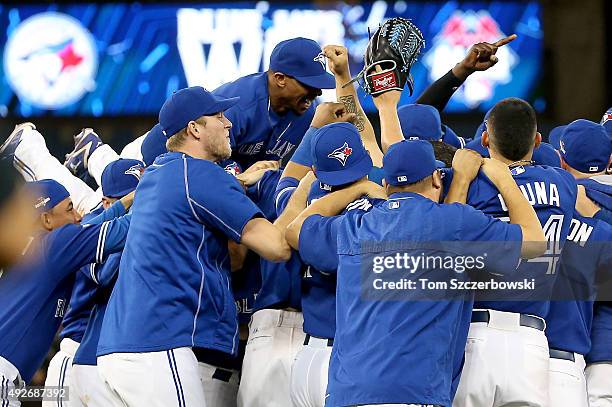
(184, 212)
(511, 322)
(310, 369)
(586, 259)
(36, 292)
(415, 364)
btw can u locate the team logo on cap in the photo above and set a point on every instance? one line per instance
(562, 146)
(607, 116)
(51, 60)
(322, 59)
(341, 153)
(135, 170)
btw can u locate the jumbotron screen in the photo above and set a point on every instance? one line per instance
(125, 59)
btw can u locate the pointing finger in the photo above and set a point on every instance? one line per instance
(506, 40)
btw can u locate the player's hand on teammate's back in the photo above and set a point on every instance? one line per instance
(128, 200)
(584, 205)
(369, 188)
(338, 60)
(497, 171)
(466, 164)
(264, 164)
(251, 177)
(480, 57)
(331, 112)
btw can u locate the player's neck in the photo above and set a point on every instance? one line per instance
(195, 152)
(526, 160)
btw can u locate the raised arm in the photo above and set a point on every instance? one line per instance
(390, 129)
(338, 60)
(520, 211)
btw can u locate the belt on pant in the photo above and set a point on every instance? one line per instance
(330, 342)
(561, 354)
(524, 320)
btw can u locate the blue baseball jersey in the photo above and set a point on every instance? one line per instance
(35, 293)
(586, 258)
(380, 338)
(319, 282)
(258, 133)
(552, 193)
(174, 287)
(107, 272)
(81, 300)
(601, 334)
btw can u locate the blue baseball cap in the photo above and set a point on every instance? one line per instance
(546, 154)
(420, 122)
(585, 146)
(477, 146)
(483, 126)
(409, 161)
(338, 154)
(554, 137)
(190, 104)
(47, 193)
(121, 177)
(451, 138)
(303, 60)
(606, 121)
(153, 145)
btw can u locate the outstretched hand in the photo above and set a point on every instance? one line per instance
(480, 57)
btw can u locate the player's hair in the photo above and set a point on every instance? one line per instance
(175, 142)
(443, 152)
(512, 127)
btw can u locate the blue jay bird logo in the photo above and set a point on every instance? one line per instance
(322, 59)
(341, 153)
(135, 170)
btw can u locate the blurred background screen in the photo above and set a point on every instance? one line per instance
(86, 59)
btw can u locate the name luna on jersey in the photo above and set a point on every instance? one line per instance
(537, 193)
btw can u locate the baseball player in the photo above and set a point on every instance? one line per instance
(160, 309)
(27, 149)
(599, 359)
(406, 327)
(499, 326)
(339, 159)
(276, 106)
(554, 137)
(118, 179)
(586, 259)
(36, 292)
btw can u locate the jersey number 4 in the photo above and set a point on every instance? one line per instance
(552, 231)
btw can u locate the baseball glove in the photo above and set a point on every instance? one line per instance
(395, 47)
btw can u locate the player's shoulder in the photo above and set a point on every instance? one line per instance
(552, 173)
(252, 90)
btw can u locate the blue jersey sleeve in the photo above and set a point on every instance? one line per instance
(285, 188)
(74, 246)
(318, 244)
(117, 209)
(500, 241)
(218, 201)
(604, 215)
(303, 153)
(103, 274)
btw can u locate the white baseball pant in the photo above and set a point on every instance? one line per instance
(9, 375)
(506, 364)
(104, 155)
(34, 162)
(275, 337)
(309, 373)
(153, 379)
(219, 391)
(59, 374)
(87, 386)
(599, 384)
(567, 383)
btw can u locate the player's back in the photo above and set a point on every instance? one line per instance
(168, 256)
(552, 193)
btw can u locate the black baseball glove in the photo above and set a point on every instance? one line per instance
(394, 47)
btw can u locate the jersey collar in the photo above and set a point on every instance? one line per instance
(406, 195)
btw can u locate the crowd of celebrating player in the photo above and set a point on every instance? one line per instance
(226, 258)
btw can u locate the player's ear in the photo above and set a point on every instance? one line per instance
(538, 140)
(280, 79)
(485, 139)
(436, 180)
(192, 128)
(47, 221)
(563, 163)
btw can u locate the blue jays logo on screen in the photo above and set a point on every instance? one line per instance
(462, 30)
(50, 60)
(342, 153)
(135, 170)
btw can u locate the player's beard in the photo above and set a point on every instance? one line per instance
(220, 147)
